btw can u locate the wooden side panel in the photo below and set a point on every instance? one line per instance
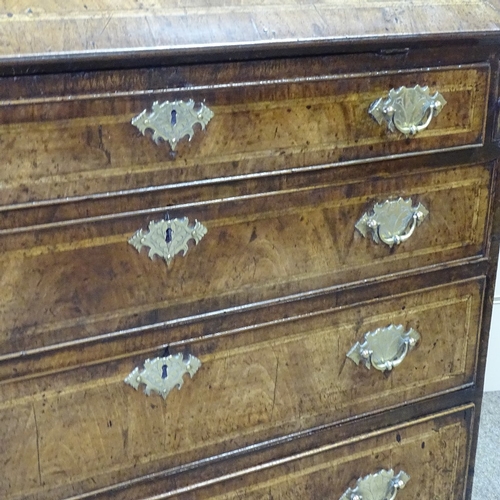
(253, 385)
(84, 143)
(83, 279)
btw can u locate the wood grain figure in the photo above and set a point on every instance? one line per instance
(284, 282)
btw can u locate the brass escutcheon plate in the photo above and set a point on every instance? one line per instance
(167, 238)
(171, 121)
(161, 375)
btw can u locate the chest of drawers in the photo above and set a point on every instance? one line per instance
(286, 211)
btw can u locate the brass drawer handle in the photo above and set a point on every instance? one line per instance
(161, 375)
(167, 238)
(171, 121)
(384, 348)
(382, 485)
(410, 110)
(392, 222)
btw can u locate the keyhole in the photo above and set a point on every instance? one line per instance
(164, 371)
(173, 117)
(168, 236)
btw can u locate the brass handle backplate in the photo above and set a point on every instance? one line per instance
(409, 110)
(382, 485)
(392, 222)
(384, 348)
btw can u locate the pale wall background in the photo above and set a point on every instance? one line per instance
(492, 380)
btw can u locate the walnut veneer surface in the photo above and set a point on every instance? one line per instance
(282, 285)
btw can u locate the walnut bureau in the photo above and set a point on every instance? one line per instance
(247, 249)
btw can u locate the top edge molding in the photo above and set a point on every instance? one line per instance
(198, 30)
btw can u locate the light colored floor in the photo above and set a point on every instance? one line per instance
(487, 470)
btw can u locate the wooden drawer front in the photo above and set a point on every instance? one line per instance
(255, 383)
(81, 140)
(81, 278)
(433, 451)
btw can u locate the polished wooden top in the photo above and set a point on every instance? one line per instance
(95, 29)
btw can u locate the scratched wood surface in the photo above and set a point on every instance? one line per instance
(253, 385)
(281, 286)
(437, 442)
(81, 140)
(83, 279)
(99, 27)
